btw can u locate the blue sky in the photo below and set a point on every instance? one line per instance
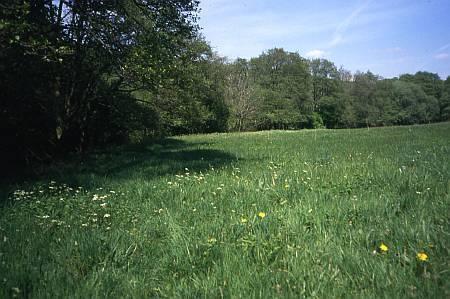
(388, 37)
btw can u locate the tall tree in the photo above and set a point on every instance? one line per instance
(63, 60)
(240, 95)
(444, 101)
(324, 77)
(284, 85)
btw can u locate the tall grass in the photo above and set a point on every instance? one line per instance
(314, 213)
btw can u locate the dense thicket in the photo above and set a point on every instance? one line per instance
(75, 74)
(79, 73)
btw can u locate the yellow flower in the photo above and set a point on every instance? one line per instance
(422, 256)
(261, 215)
(243, 220)
(383, 247)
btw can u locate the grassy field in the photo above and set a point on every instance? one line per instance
(313, 213)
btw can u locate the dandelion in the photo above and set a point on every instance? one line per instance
(422, 256)
(261, 215)
(383, 248)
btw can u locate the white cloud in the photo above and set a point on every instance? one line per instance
(442, 56)
(444, 47)
(315, 54)
(341, 29)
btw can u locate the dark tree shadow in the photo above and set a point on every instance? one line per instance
(146, 160)
(150, 160)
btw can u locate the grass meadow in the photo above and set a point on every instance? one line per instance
(315, 213)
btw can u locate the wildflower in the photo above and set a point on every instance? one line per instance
(383, 248)
(106, 216)
(16, 290)
(244, 220)
(103, 205)
(261, 215)
(422, 256)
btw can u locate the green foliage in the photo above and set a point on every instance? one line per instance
(179, 218)
(324, 80)
(67, 66)
(414, 105)
(284, 83)
(444, 102)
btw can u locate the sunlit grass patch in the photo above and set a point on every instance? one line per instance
(330, 213)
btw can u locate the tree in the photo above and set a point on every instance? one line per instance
(283, 82)
(363, 90)
(430, 83)
(414, 105)
(444, 103)
(63, 62)
(240, 95)
(324, 77)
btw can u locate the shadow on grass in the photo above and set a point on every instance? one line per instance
(150, 160)
(147, 161)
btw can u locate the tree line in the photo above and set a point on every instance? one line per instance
(78, 74)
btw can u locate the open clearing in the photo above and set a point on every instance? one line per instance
(313, 213)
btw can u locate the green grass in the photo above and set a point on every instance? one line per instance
(179, 218)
